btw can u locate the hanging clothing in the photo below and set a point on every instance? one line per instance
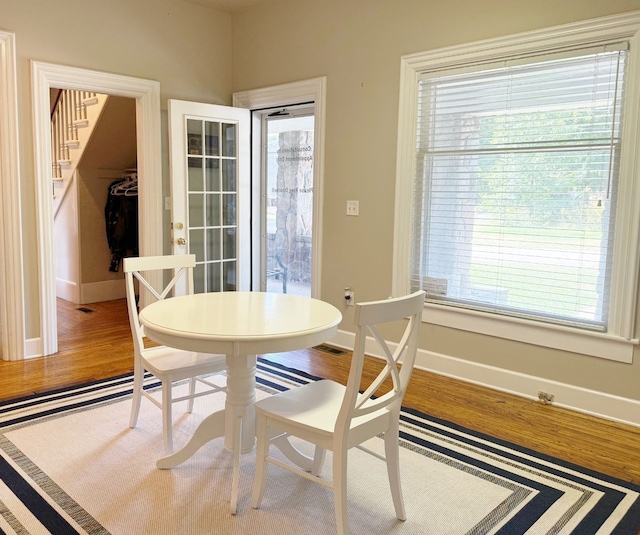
(121, 216)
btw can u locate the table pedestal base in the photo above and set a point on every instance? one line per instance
(236, 423)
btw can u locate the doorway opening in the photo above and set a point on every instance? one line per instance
(269, 100)
(147, 105)
(286, 184)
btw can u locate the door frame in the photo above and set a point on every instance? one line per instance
(12, 319)
(313, 89)
(147, 96)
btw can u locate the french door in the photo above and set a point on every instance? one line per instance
(210, 192)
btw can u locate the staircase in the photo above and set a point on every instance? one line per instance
(72, 121)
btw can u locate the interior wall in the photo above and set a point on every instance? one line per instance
(184, 46)
(358, 45)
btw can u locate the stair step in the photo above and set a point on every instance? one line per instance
(81, 123)
(73, 144)
(90, 101)
(64, 163)
(56, 179)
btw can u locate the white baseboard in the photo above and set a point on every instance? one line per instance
(96, 292)
(67, 290)
(33, 348)
(599, 404)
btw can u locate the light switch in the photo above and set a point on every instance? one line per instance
(353, 207)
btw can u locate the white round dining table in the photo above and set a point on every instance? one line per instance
(240, 325)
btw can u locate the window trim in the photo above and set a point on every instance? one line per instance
(619, 342)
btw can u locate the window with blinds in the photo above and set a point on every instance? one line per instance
(516, 184)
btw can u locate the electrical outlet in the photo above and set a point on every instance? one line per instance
(544, 398)
(349, 296)
(353, 208)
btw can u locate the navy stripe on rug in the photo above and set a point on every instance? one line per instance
(47, 515)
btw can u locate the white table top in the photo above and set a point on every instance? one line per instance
(240, 323)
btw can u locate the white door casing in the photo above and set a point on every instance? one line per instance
(12, 318)
(147, 95)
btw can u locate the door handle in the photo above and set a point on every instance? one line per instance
(181, 241)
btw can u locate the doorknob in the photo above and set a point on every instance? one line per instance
(181, 241)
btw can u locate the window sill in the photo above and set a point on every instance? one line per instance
(600, 345)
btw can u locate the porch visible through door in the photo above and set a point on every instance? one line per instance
(288, 145)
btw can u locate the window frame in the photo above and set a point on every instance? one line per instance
(619, 341)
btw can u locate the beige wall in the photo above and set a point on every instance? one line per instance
(357, 44)
(185, 47)
(197, 53)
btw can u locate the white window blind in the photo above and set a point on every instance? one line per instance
(515, 187)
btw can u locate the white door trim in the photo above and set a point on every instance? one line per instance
(147, 95)
(312, 90)
(11, 274)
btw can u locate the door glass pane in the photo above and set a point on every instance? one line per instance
(229, 276)
(229, 175)
(289, 204)
(229, 140)
(196, 210)
(196, 244)
(194, 137)
(214, 218)
(229, 243)
(214, 282)
(213, 244)
(229, 209)
(211, 138)
(212, 171)
(195, 174)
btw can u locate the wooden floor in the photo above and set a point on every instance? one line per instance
(96, 343)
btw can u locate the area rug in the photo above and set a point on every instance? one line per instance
(70, 464)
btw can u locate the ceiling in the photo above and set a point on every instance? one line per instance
(230, 6)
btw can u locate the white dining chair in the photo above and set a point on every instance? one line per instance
(336, 417)
(165, 363)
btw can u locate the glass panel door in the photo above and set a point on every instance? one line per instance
(288, 201)
(210, 192)
(212, 200)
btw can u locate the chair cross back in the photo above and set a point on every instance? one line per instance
(364, 403)
(367, 317)
(181, 264)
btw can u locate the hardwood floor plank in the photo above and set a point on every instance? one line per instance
(97, 344)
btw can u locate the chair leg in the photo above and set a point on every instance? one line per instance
(138, 380)
(262, 450)
(167, 419)
(192, 391)
(340, 489)
(392, 454)
(318, 460)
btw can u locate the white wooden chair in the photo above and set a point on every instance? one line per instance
(337, 418)
(165, 363)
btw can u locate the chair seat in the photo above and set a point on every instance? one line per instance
(314, 406)
(167, 360)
